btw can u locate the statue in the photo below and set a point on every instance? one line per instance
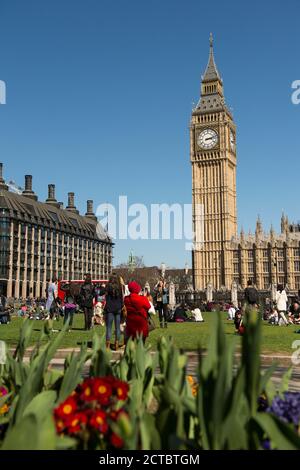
(234, 294)
(209, 292)
(172, 296)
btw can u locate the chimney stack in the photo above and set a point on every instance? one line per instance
(51, 196)
(71, 205)
(2, 181)
(89, 210)
(28, 188)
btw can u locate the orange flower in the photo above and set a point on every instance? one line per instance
(4, 409)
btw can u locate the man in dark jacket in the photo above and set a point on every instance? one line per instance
(87, 295)
(251, 295)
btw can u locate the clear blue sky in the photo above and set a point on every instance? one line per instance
(99, 96)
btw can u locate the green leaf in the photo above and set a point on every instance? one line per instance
(282, 436)
(73, 374)
(30, 434)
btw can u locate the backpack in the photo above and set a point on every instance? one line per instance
(252, 295)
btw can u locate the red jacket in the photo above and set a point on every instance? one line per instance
(137, 315)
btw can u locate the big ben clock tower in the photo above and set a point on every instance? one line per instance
(213, 158)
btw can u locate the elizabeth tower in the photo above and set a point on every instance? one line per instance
(213, 158)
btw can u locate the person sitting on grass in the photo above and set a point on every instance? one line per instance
(180, 314)
(238, 322)
(273, 317)
(294, 313)
(197, 315)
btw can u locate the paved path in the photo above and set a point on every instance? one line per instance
(284, 362)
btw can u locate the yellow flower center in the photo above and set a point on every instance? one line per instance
(102, 389)
(87, 391)
(74, 422)
(99, 420)
(67, 409)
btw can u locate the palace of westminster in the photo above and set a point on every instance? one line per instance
(221, 257)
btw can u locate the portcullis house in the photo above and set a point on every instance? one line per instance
(39, 240)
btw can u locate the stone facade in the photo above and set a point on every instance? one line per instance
(221, 257)
(39, 240)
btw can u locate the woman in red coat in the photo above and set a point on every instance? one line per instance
(137, 307)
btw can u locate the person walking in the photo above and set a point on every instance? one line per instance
(113, 309)
(162, 302)
(51, 304)
(87, 295)
(281, 303)
(137, 307)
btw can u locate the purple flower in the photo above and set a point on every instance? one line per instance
(287, 408)
(266, 444)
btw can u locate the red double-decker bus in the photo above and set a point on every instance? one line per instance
(77, 282)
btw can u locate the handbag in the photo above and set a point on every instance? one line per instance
(151, 323)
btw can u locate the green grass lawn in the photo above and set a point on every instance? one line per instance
(189, 336)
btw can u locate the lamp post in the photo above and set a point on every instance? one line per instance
(186, 268)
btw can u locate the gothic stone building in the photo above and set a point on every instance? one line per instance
(39, 240)
(220, 256)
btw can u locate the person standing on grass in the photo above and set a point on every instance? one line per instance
(113, 308)
(281, 303)
(51, 304)
(251, 295)
(69, 304)
(137, 307)
(162, 302)
(87, 295)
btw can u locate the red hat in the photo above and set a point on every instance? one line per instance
(134, 287)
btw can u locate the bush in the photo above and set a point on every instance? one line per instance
(145, 400)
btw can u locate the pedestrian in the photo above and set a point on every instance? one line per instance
(281, 303)
(149, 297)
(137, 307)
(113, 309)
(69, 304)
(251, 294)
(162, 302)
(87, 295)
(51, 304)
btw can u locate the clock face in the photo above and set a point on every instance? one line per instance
(232, 140)
(207, 139)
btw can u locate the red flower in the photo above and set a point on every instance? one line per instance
(86, 390)
(75, 423)
(66, 409)
(122, 390)
(102, 391)
(116, 441)
(115, 414)
(98, 421)
(60, 425)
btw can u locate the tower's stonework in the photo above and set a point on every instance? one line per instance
(213, 158)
